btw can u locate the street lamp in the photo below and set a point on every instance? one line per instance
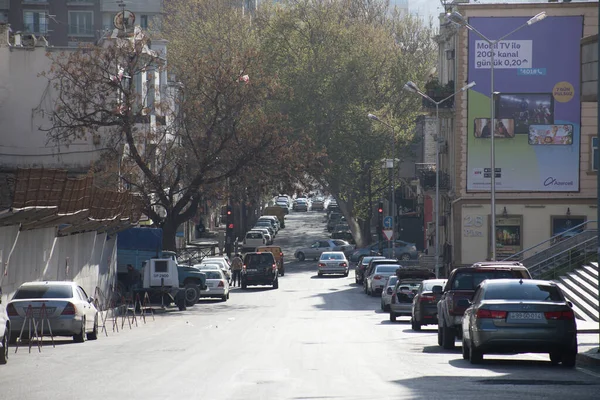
(412, 87)
(458, 19)
(392, 180)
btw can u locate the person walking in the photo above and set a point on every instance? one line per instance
(236, 268)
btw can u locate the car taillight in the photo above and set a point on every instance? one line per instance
(11, 310)
(281, 255)
(69, 309)
(244, 267)
(377, 277)
(221, 284)
(450, 302)
(560, 315)
(321, 265)
(389, 290)
(492, 314)
(427, 299)
(343, 264)
(274, 267)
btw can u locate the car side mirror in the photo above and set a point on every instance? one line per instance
(90, 300)
(437, 289)
(568, 303)
(463, 303)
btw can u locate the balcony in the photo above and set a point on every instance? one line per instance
(426, 175)
(438, 92)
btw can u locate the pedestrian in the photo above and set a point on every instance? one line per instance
(236, 267)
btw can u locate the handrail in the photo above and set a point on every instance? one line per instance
(578, 246)
(553, 238)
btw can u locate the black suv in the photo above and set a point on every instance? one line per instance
(259, 268)
(461, 284)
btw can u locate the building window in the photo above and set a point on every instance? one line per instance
(80, 23)
(35, 22)
(144, 21)
(595, 154)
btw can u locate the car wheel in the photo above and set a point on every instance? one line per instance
(415, 325)
(392, 316)
(282, 272)
(475, 356)
(346, 274)
(320, 274)
(465, 349)
(382, 305)
(555, 357)
(439, 335)
(80, 337)
(224, 297)
(569, 358)
(244, 285)
(300, 256)
(192, 294)
(355, 279)
(405, 257)
(227, 295)
(93, 335)
(4, 353)
(276, 284)
(448, 338)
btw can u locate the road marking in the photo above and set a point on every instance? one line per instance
(588, 372)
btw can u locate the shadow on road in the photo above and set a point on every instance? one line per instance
(344, 299)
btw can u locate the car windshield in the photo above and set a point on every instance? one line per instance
(330, 256)
(254, 235)
(428, 286)
(520, 291)
(213, 275)
(340, 242)
(44, 292)
(386, 269)
(208, 266)
(259, 259)
(392, 281)
(470, 279)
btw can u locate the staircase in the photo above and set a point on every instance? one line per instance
(581, 288)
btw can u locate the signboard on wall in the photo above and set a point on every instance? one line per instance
(537, 111)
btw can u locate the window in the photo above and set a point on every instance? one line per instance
(44, 292)
(595, 154)
(144, 21)
(35, 22)
(80, 23)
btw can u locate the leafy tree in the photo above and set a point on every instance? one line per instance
(215, 124)
(340, 61)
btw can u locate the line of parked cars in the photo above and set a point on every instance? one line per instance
(492, 307)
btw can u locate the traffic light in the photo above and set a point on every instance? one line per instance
(380, 209)
(380, 217)
(229, 222)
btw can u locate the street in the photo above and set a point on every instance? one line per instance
(313, 338)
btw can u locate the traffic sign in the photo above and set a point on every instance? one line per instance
(387, 222)
(388, 233)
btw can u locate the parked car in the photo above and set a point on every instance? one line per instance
(461, 284)
(359, 271)
(300, 205)
(315, 250)
(4, 332)
(68, 308)
(376, 279)
(388, 290)
(252, 240)
(266, 225)
(333, 262)
(334, 219)
(407, 285)
(270, 219)
(371, 267)
(277, 253)
(217, 283)
(265, 232)
(222, 261)
(318, 205)
(402, 251)
(519, 316)
(259, 268)
(424, 306)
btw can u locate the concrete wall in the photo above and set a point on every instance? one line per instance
(90, 259)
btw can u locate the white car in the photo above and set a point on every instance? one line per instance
(222, 261)
(333, 262)
(265, 232)
(4, 332)
(388, 292)
(272, 220)
(375, 281)
(252, 240)
(68, 309)
(217, 284)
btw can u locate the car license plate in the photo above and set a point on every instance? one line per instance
(526, 315)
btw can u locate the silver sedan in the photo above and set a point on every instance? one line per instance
(64, 307)
(318, 247)
(333, 262)
(519, 316)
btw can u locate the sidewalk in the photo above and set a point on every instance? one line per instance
(588, 339)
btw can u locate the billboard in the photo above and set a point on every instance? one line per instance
(537, 107)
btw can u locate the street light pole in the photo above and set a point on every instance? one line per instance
(458, 19)
(392, 181)
(412, 87)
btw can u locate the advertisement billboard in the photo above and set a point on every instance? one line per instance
(537, 107)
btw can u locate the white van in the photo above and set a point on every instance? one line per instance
(272, 219)
(252, 240)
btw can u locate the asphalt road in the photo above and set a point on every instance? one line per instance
(313, 338)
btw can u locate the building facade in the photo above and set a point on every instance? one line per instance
(545, 130)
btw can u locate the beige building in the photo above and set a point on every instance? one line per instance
(545, 175)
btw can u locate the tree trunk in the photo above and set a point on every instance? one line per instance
(169, 228)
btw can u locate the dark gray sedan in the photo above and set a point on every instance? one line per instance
(519, 316)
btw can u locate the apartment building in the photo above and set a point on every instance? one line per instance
(545, 126)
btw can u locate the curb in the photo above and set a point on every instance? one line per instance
(587, 359)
